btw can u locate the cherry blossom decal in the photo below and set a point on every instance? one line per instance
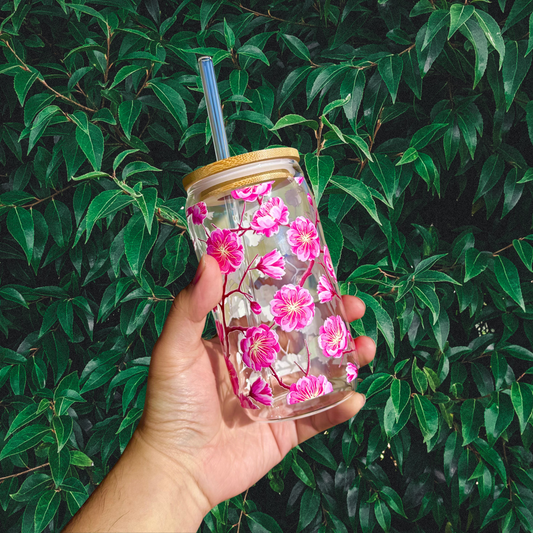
(303, 238)
(259, 347)
(197, 212)
(270, 216)
(307, 388)
(251, 194)
(292, 307)
(226, 247)
(351, 372)
(333, 337)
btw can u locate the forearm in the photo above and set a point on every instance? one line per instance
(142, 493)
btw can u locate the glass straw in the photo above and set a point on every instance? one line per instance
(214, 108)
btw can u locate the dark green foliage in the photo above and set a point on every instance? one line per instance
(414, 123)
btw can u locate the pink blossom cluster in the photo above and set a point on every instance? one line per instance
(260, 392)
(303, 239)
(226, 247)
(333, 337)
(197, 212)
(250, 194)
(292, 307)
(270, 216)
(259, 347)
(307, 388)
(272, 265)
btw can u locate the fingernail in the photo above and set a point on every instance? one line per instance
(199, 271)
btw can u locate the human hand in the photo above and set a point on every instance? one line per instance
(193, 422)
(195, 446)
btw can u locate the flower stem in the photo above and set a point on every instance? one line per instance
(307, 273)
(278, 378)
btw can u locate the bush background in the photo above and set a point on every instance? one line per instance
(414, 123)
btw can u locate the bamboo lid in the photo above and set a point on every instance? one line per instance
(238, 161)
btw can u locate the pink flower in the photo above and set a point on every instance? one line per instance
(307, 388)
(329, 264)
(256, 308)
(198, 212)
(250, 194)
(299, 179)
(333, 337)
(325, 289)
(259, 347)
(232, 376)
(351, 372)
(261, 392)
(272, 264)
(270, 216)
(303, 238)
(310, 199)
(292, 307)
(246, 403)
(226, 247)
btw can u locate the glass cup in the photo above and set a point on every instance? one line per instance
(281, 321)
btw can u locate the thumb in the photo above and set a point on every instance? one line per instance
(182, 331)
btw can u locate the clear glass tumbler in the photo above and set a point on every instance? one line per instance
(281, 321)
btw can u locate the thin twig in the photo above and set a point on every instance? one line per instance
(2, 479)
(242, 512)
(270, 16)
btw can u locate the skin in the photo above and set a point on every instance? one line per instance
(195, 446)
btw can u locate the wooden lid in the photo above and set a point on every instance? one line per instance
(238, 161)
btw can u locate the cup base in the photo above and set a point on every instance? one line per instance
(308, 408)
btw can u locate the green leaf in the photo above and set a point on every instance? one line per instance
(130, 419)
(176, 257)
(471, 420)
(78, 458)
(146, 203)
(309, 507)
(492, 32)
(105, 204)
(515, 68)
(303, 471)
(525, 252)
(475, 263)
(23, 82)
(262, 523)
(473, 32)
(32, 486)
(12, 295)
(428, 416)
(138, 242)
(29, 413)
(128, 113)
(384, 171)
(522, 399)
(427, 295)
(411, 72)
(254, 52)
(171, 99)
(400, 394)
(62, 426)
(20, 225)
(59, 221)
(24, 439)
(319, 171)
(459, 14)
(47, 507)
(420, 380)
(254, 118)
(384, 322)
(426, 135)
(428, 55)
(59, 462)
(137, 166)
(92, 144)
(296, 46)
(390, 68)
(520, 9)
(408, 156)
(438, 20)
(491, 456)
(124, 73)
(293, 120)
(426, 169)
(359, 191)
(393, 500)
(499, 508)
(507, 275)
(353, 85)
(498, 415)
(360, 143)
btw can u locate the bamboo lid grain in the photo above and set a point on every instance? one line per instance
(238, 161)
